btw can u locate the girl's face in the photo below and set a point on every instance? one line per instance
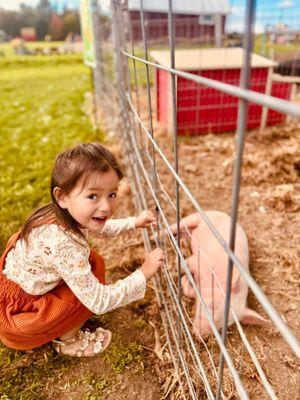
(92, 205)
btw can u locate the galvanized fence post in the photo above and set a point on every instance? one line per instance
(241, 130)
(97, 69)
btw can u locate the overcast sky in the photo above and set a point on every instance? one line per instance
(14, 4)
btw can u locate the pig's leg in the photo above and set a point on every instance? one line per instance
(197, 318)
(210, 296)
(187, 287)
(251, 317)
(195, 265)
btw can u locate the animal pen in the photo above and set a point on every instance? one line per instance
(204, 110)
(124, 78)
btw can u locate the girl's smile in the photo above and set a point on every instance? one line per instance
(100, 220)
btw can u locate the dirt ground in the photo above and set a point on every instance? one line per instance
(269, 212)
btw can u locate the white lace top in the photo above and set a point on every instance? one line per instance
(52, 255)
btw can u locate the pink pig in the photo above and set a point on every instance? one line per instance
(208, 255)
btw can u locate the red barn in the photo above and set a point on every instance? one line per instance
(201, 109)
(28, 33)
(193, 19)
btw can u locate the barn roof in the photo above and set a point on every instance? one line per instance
(183, 6)
(204, 59)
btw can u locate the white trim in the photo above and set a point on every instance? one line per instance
(194, 7)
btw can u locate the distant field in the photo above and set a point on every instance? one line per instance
(8, 50)
(9, 59)
(265, 48)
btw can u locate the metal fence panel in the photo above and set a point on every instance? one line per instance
(126, 80)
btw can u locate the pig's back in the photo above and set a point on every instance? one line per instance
(210, 248)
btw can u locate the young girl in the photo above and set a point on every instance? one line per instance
(51, 282)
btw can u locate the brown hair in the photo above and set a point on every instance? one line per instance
(70, 167)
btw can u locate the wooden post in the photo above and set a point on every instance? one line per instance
(218, 30)
(264, 113)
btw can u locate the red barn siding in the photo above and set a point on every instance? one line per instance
(283, 91)
(202, 109)
(156, 26)
(162, 96)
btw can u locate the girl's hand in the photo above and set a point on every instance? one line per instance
(145, 219)
(153, 261)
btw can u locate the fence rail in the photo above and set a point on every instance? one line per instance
(117, 83)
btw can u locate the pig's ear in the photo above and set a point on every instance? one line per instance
(192, 221)
(251, 317)
(183, 233)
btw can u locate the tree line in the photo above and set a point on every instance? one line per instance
(44, 18)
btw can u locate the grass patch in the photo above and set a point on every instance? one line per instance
(140, 323)
(96, 383)
(23, 376)
(21, 62)
(119, 356)
(41, 114)
(92, 397)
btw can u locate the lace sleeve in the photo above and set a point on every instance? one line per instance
(114, 227)
(75, 270)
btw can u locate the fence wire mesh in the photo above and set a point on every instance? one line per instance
(166, 74)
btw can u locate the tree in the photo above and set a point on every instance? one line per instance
(56, 28)
(44, 7)
(43, 18)
(27, 16)
(71, 22)
(10, 22)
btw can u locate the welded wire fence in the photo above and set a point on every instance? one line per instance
(192, 90)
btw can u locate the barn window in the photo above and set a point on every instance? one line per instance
(206, 19)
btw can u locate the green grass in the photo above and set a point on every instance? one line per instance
(263, 46)
(41, 102)
(23, 376)
(118, 356)
(41, 114)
